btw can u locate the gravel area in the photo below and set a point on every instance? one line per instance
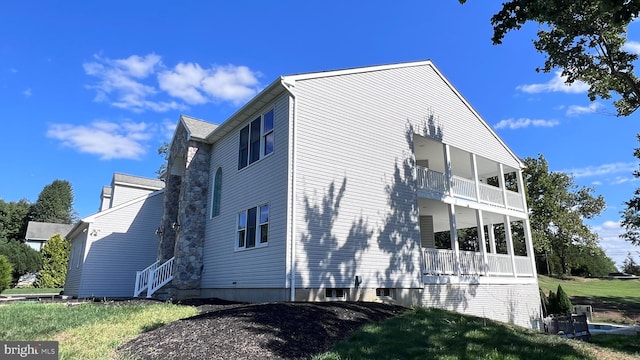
(225, 330)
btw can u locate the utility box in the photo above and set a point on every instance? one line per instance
(584, 310)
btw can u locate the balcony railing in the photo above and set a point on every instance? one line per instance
(443, 262)
(436, 182)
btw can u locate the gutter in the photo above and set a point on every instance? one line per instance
(292, 226)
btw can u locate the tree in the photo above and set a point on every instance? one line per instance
(564, 303)
(55, 204)
(23, 258)
(585, 39)
(163, 151)
(14, 219)
(630, 266)
(590, 261)
(558, 209)
(55, 257)
(5, 273)
(631, 214)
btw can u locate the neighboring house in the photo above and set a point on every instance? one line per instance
(39, 232)
(108, 247)
(379, 183)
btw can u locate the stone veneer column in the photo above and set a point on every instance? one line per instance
(167, 234)
(192, 216)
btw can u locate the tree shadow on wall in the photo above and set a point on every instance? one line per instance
(330, 262)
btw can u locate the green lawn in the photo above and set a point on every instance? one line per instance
(31, 290)
(85, 331)
(624, 292)
(437, 334)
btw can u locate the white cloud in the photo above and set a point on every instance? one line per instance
(130, 83)
(557, 84)
(632, 46)
(27, 93)
(523, 123)
(13, 70)
(610, 241)
(195, 85)
(604, 169)
(574, 110)
(109, 140)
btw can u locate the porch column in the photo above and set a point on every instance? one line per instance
(521, 190)
(482, 241)
(528, 240)
(453, 229)
(492, 239)
(447, 168)
(474, 172)
(502, 185)
(509, 238)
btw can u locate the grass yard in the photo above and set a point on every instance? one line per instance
(437, 334)
(31, 290)
(623, 291)
(85, 331)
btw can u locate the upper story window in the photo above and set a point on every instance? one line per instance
(217, 188)
(253, 227)
(256, 140)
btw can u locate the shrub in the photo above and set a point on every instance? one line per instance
(6, 273)
(553, 303)
(23, 258)
(55, 258)
(564, 303)
(545, 303)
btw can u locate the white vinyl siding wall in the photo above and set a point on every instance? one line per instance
(123, 193)
(76, 263)
(356, 130)
(264, 181)
(124, 242)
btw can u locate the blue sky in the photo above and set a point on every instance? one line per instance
(88, 89)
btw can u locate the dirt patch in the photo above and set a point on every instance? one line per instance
(610, 310)
(226, 330)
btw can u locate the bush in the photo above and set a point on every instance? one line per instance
(564, 303)
(545, 303)
(55, 257)
(6, 273)
(23, 258)
(553, 303)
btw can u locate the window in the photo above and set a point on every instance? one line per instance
(256, 140)
(384, 292)
(253, 227)
(215, 199)
(334, 294)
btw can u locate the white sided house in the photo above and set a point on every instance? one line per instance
(378, 183)
(109, 246)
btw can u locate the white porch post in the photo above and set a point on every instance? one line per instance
(528, 240)
(454, 237)
(474, 172)
(521, 190)
(492, 239)
(447, 168)
(502, 185)
(509, 238)
(482, 242)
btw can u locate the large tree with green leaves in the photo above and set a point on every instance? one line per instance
(558, 208)
(584, 39)
(14, 219)
(55, 204)
(631, 214)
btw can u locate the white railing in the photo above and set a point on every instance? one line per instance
(491, 195)
(464, 187)
(142, 279)
(160, 276)
(523, 266)
(443, 262)
(431, 180)
(514, 200)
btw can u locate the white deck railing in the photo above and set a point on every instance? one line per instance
(142, 279)
(443, 262)
(462, 187)
(153, 277)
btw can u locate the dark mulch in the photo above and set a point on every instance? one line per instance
(224, 330)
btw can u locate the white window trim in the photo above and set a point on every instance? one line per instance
(258, 244)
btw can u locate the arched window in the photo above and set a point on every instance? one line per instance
(217, 187)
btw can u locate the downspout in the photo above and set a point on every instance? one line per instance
(292, 218)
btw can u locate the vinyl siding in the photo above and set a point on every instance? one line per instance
(261, 182)
(512, 303)
(122, 194)
(76, 263)
(125, 242)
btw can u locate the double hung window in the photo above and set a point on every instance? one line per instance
(253, 227)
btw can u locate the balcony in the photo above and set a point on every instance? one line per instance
(436, 183)
(440, 262)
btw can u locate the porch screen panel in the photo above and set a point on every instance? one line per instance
(427, 237)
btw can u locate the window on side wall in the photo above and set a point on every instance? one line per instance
(253, 227)
(256, 140)
(217, 188)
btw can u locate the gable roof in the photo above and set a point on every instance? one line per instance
(43, 231)
(197, 129)
(137, 181)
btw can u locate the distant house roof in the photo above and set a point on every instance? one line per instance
(44, 231)
(138, 181)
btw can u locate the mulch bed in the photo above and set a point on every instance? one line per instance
(224, 330)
